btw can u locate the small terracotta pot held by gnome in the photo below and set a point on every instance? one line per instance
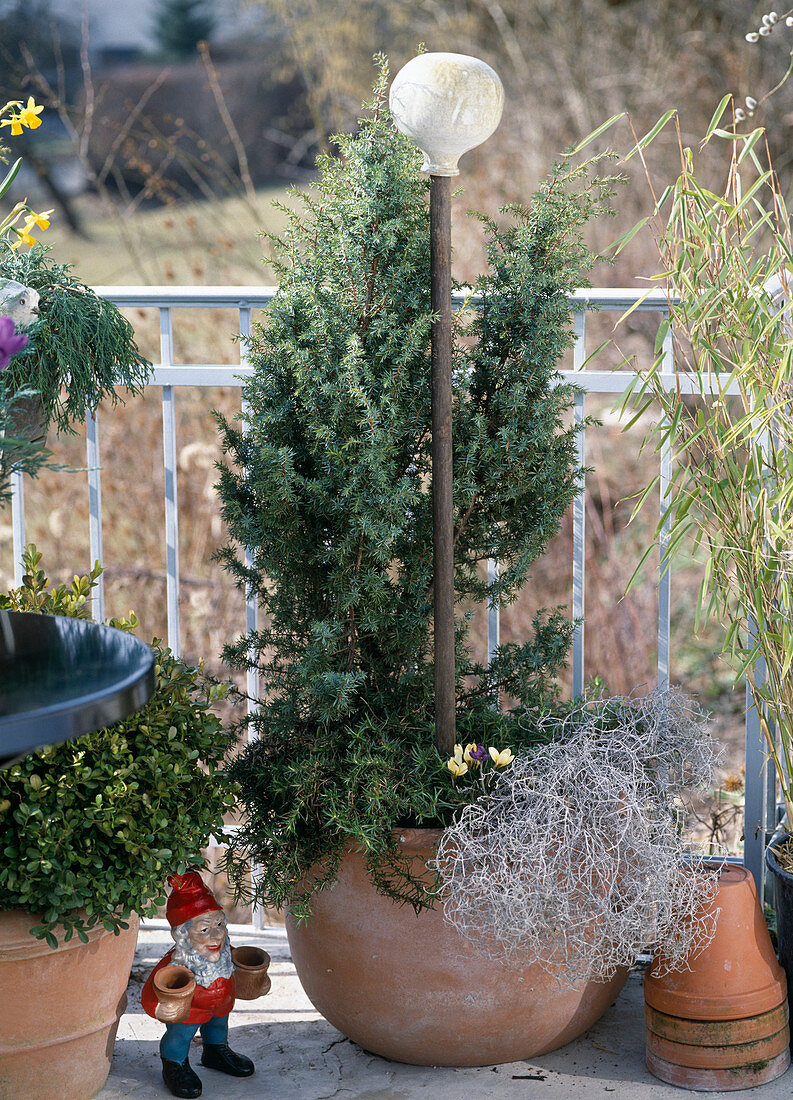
(722, 1024)
(251, 979)
(174, 986)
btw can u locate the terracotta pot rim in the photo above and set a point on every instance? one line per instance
(251, 968)
(29, 947)
(707, 1032)
(718, 1080)
(415, 840)
(739, 1006)
(719, 1055)
(184, 990)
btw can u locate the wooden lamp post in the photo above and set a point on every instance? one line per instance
(447, 103)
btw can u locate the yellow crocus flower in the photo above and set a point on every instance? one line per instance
(457, 767)
(501, 759)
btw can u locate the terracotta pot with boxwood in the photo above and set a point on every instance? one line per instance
(88, 831)
(60, 1009)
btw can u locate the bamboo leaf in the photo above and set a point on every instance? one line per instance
(652, 134)
(594, 354)
(637, 571)
(641, 410)
(635, 306)
(749, 144)
(642, 498)
(625, 238)
(746, 199)
(10, 176)
(667, 191)
(714, 122)
(661, 334)
(596, 133)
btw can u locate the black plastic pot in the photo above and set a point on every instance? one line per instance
(783, 903)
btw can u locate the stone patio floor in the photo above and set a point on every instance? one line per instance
(299, 1056)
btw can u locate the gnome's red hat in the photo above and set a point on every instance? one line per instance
(188, 899)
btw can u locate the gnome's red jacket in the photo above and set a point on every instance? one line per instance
(216, 999)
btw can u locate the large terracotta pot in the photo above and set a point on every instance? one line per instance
(408, 987)
(59, 1010)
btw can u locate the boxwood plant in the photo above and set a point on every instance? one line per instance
(328, 486)
(89, 829)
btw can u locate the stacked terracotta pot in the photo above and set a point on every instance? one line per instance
(721, 1025)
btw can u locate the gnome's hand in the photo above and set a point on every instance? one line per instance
(169, 1012)
(174, 987)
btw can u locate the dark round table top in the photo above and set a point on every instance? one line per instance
(61, 678)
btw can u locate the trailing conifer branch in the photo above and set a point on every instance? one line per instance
(81, 346)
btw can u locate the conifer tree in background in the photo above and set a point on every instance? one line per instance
(179, 25)
(329, 489)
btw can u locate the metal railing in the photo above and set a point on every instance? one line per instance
(760, 788)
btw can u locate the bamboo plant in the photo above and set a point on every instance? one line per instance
(728, 418)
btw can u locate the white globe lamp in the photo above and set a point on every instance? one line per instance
(447, 103)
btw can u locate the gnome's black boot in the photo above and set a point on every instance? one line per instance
(181, 1079)
(220, 1056)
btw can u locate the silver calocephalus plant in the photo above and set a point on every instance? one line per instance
(574, 859)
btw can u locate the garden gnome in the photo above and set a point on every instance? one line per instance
(198, 926)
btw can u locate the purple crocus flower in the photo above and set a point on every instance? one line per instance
(10, 341)
(479, 753)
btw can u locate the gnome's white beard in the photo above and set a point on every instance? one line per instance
(204, 971)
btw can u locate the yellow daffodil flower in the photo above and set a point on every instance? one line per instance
(23, 238)
(501, 759)
(28, 116)
(15, 122)
(457, 767)
(42, 220)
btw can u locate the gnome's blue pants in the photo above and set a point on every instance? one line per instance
(175, 1043)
